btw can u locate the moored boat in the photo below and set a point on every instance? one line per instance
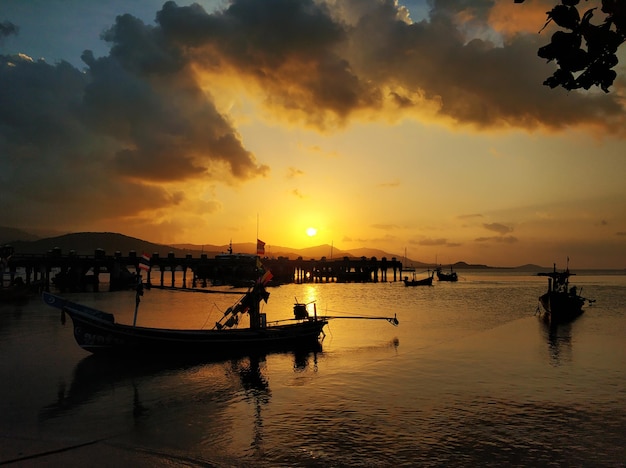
(428, 281)
(441, 276)
(97, 332)
(561, 303)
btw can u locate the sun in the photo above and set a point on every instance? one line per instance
(311, 231)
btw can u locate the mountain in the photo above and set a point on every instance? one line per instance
(86, 243)
(9, 235)
(270, 251)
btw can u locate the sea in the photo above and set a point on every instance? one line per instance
(471, 376)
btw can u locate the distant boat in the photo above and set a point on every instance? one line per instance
(97, 332)
(441, 276)
(428, 281)
(561, 303)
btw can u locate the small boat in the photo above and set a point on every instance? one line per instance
(441, 276)
(97, 332)
(561, 303)
(428, 281)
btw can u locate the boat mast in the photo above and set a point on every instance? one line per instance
(255, 308)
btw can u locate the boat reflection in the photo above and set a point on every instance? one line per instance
(559, 338)
(98, 375)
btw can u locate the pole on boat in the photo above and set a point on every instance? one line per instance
(392, 320)
(138, 297)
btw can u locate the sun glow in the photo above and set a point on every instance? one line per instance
(311, 231)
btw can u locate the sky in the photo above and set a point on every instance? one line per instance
(407, 126)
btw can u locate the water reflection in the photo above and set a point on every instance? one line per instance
(559, 337)
(96, 376)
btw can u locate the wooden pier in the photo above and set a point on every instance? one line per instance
(73, 272)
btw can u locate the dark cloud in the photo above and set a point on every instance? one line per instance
(98, 141)
(497, 227)
(498, 239)
(438, 242)
(7, 29)
(143, 116)
(291, 49)
(326, 62)
(144, 94)
(50, 159)
(470, 216)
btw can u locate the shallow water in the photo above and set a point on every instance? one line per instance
(470, 377)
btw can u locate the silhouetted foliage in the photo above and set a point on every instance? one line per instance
(589, 64)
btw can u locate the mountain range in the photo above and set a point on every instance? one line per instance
(85, 243)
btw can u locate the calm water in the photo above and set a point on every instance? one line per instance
(471, 377)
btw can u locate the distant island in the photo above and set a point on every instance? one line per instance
(85, 243)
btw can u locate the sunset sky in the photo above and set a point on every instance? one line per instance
(411, 125)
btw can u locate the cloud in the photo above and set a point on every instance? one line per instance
(470, 216)
(497, 227)
(124, 134)
(298, 194)
(106, 142)
(437, 242)
(325, 63)
(498, 239)
(385, 227)
(7, 29)
(293, 172)
(391, 184)
(144, 95)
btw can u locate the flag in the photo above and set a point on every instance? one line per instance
(260, 247)
(144, 262)
(266, 277)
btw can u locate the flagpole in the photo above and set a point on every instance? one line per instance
(144, 264)
(138, 297)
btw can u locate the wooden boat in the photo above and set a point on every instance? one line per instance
(428, 281)
(97, 332)
(561, 303)
(441, 276)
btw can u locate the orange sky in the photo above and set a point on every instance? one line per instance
(386, 126)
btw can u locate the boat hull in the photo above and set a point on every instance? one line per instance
(97, 332)
(561, 307)
(422, 282)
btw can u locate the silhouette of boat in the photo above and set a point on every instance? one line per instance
(561, 303)
(97, 332)
(428, 281)
(441, 276)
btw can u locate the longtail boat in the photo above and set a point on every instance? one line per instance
(441, 276)
(428, 281)
(561, 303)
(97, 331)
